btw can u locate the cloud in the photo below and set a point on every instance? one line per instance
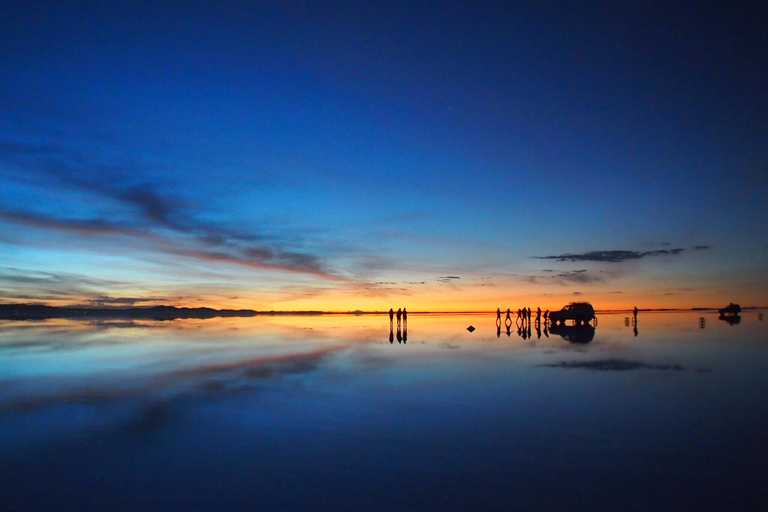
(612, 365)
(702, 247)
(105, 301)
(144, 211)
(447, 279)
(610, 256)
(82, 226)
(577, 276)
(581, 276)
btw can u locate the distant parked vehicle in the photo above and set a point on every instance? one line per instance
(580, 312)
(730, 309)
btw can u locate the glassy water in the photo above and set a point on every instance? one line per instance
(334, 413)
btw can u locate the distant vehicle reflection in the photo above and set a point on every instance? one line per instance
(731, 319)
(583, 333)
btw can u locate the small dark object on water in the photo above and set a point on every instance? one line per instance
(471, 328)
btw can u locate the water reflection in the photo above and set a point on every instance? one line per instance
(322, 413)
(731, 319)
(582, 333)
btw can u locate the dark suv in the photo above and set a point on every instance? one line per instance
(581, 312)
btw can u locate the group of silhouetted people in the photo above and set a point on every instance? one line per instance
(523, 314)
(402, 325)
(402, 315)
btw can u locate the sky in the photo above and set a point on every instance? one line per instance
(439, 156)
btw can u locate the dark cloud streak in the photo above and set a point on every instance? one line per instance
(610, 256)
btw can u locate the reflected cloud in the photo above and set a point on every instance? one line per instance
(612, 365)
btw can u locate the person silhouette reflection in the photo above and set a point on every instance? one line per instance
(391, 334)
(399, 334)
(498, 329)
(405, 333)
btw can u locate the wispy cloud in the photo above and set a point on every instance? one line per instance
(128, 205)
(610, 256)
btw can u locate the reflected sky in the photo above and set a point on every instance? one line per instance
(323, 412)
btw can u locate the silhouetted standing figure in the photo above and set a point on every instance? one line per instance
(498, 316)
(399, 316)
(546, 314)
(529, 314)
(635, 312)
(508, 320)
(538, 313)
(405, 315)
(391, 316)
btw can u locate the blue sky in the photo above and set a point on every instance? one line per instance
(300, 155)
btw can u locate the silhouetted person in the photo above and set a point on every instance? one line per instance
(391, 316)
(498, 316)
(508, 320)
(635, 312)
(519, 314)
(405, 315)
(546, 314)
(529, 313)
(399, 316)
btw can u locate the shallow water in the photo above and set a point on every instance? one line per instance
(326, 413)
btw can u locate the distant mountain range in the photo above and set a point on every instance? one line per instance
(39, 312)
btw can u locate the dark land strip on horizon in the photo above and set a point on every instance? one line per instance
(42, 312)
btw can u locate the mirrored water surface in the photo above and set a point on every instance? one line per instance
(336, 412)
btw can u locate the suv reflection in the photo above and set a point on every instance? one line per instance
(574, 333)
